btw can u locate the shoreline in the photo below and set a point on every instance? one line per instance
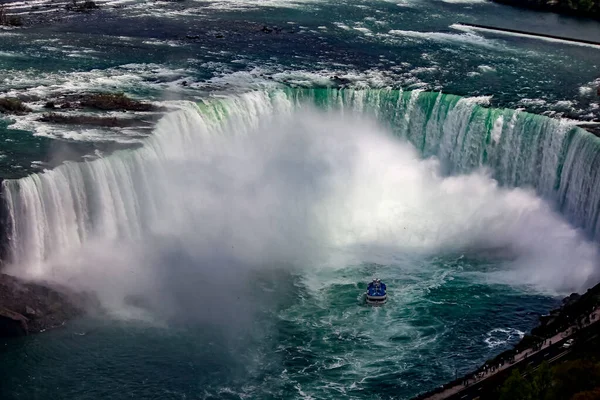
(577, 313)
(554, 7)
(490, 28)
(28, 307)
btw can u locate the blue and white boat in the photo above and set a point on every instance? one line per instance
(376, 292)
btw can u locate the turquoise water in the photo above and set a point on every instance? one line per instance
(240, 252)
(306, 342)
(231, 251)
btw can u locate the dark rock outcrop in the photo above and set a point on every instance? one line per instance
(86, 6)
(340, 81)
(27, 307)
(571, 299)
(581, 8)
(100, 102)
(110, 122)
(9, 20)
(12, 323)
(115, 102)
(593, 129)
(9, 105)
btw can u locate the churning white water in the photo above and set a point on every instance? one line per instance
(226, 190)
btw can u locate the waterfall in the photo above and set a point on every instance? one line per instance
(120, 196)
(559, 160)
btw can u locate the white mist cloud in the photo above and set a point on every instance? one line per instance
(184, 226)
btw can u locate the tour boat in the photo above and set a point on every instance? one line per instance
(376, 292)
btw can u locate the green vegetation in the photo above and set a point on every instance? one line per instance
(516, 388)
(9, 20)
(571, 380)
(589, 395)
(575, 376)
(10, 105)
(584, 8)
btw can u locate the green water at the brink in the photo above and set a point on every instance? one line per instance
(307, 334)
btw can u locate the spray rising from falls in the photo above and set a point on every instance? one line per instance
(559, 160)
(262, 179)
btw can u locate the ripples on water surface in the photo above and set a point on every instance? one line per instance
(301, 331)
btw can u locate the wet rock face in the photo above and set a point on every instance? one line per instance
(27, 307)
(572, 299)
(12, 324)
(13, 106)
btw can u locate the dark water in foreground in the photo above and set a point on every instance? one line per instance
(308, 342)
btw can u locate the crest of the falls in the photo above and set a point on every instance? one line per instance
(262, 177)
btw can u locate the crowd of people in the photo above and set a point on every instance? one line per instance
(517, 355)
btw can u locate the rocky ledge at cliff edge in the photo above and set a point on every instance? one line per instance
(27, 307)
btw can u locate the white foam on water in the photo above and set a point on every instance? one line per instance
(533, 102)
(563, 105)
(468, 38)
(10, 54)
(341, 25)
(482, 100)
(406, 3)
(486, 68)
(124, 78)
(120, 2)
(467, 28)
(17, 4)
(497, 129)
(364, 30)
(502, 336)
(465, 1)
(586, 90)
(245, 4)
(34, 12)
(269, 77)
(8, 31)
(589, 89)
(170, 43)
(421, 70)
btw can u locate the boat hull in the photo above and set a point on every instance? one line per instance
(376, 300)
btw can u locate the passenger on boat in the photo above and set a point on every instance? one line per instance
(376, 288)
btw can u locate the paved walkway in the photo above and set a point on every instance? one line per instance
(518, 358)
